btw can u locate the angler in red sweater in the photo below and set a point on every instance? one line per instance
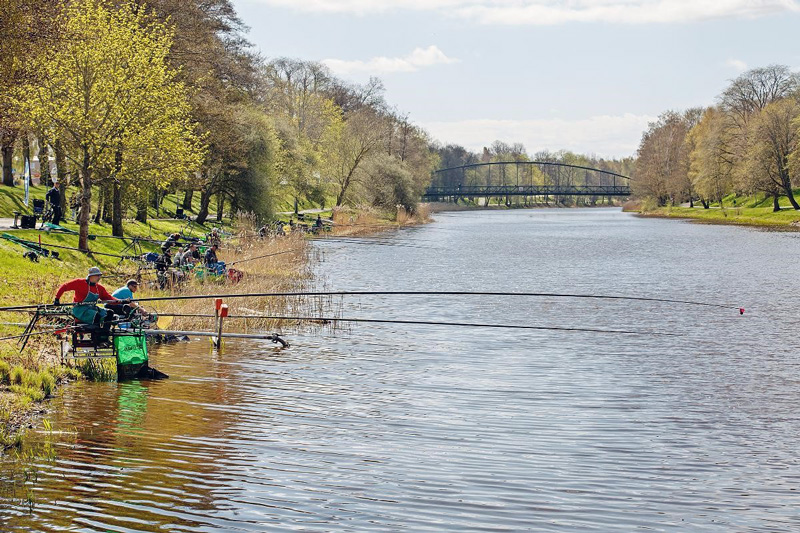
(87, 291)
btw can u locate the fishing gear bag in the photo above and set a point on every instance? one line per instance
(131, 353)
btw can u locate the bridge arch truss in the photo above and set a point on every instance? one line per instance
(530, 179)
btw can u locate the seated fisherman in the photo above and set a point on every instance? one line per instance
(162, 265)
(131, 307)
(192, 255)
(88, 292)
(212, 263)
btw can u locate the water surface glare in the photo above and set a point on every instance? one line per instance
(388, 427)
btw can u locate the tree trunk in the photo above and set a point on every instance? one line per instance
(44, 163)
(100, 203)
(155, 200)
(141, 208)
(187, 200)
(116, 211)
(220, 205)
(108, 202)
(86, 202)
(705, 203)
(787, 186)
(205, 200)
(775, 205)
(8, 159)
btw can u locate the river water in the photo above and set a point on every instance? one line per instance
(389, 427)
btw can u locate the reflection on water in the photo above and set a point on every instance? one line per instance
(428, 428)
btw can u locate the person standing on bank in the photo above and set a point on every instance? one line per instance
(53, 197)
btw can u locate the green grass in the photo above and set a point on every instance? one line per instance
(748, 210)
(285, 202)
(12, 199)
(29, 282)
(25, 380)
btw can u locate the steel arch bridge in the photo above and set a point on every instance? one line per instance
(536, 180)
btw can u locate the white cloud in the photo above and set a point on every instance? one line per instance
(551, 12)
(737, 64)
(605, 135)
(417, 59)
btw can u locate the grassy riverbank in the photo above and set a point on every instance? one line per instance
(28, 378)
(747, 211)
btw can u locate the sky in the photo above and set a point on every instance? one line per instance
(580, 75)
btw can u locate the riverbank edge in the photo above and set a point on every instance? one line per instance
(21, 417)
(444, 207)
(731, 218)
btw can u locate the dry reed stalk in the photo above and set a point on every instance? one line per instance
(280, 273)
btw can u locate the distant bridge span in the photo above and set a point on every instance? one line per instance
(534, 179)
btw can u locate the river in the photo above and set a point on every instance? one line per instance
(390, 427)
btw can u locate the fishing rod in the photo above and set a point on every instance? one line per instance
(30, 334)
(140, 239)
(410, 293)
(262, 256)
(428, 323)
(446, 293)
(369, 241)
(46, 245)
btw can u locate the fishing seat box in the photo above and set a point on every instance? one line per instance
(28, 222)
(89, 336)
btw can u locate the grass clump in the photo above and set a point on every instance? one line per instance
(17, 375)
(26, 391)
(98, 370)
(5, 373)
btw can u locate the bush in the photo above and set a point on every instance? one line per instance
(32, 380)
(16, 376)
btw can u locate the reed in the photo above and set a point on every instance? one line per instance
(278, 273)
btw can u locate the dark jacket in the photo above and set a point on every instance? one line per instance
(169, 243)
(163, 262)
(211, 257)
(53, 196)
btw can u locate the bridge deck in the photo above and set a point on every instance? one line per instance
(478, 191)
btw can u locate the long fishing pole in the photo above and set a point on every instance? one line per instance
(413, 293)
(46, 245)
(428, 323)
(48, 332)
(262, 256)
(444, 293)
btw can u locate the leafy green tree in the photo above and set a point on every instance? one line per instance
(711, 161)
(108, 94)
(773, 138)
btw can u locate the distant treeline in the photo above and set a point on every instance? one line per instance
(746, 144)
(134, 99)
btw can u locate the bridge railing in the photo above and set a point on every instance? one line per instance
(472, 191)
